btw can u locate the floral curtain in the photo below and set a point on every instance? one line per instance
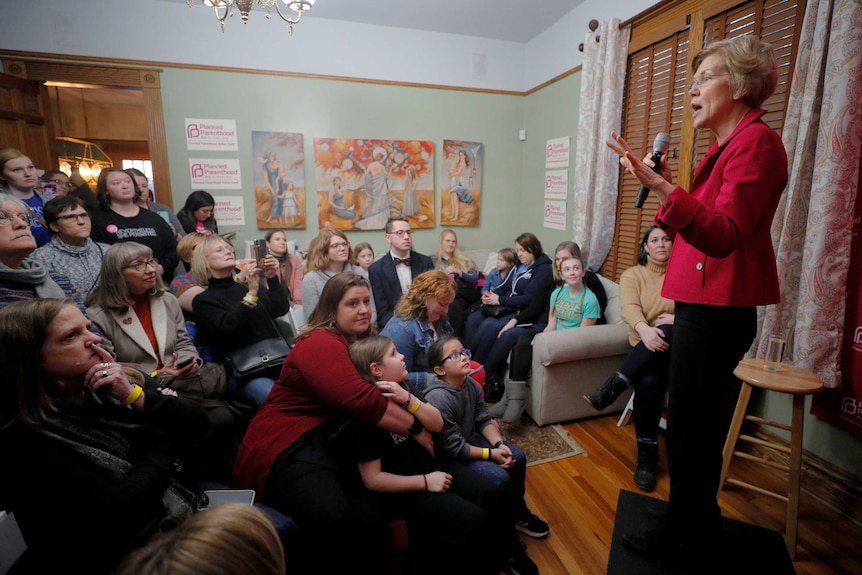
(596, 170)
(812, 228)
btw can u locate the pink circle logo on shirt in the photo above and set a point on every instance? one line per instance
(111, 229)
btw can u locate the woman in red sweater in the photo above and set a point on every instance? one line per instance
(721, 268)
(291, 454)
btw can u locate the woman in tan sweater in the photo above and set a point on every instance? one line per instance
(650, 320)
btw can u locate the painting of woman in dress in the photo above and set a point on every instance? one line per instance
(362, 183)
(459, 205)
(279, 183)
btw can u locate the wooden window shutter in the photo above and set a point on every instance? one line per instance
(652, 103)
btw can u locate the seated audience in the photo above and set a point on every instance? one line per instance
(19, 178)
(145, 200)
(507, 261)
(647, 366)
(229, 314)
(196, 215)
(185, 251)
(300, 469)
(485, 467)
(523, 297)
(394, 271)
(122, 449)
(461, 268)
(71, 252)
(442, 524)
(121, 220)
(22, 278)
(363, 254)
(230, 539)
(133, 309)
(289, 265)
(329, 255)
(419, 320)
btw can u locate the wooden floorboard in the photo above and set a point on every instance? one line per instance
(578, 495)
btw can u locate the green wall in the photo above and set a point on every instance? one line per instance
(328, 108)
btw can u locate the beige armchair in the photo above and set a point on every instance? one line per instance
(569, 363)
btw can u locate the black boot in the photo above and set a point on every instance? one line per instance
(647, 461)
(608, 392)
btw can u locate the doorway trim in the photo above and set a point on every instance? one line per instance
(147, 79)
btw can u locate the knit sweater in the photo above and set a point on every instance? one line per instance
(81, 264)
(640, 295)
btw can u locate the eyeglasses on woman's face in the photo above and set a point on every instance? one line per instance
(142, 266)
(84, 216)
(6, 218)
(456, 355)
(58, 182)
(706, 78)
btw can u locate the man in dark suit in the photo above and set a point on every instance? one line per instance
(393, 273)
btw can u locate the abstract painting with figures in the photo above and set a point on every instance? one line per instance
(461, 196)
(361, 183)
(279, 180)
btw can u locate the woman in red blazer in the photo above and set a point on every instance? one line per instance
(721, 268)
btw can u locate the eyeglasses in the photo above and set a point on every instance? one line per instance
(705, 79)
(401, 233)
(141, 266)
(61, 182)
(456, 355)
(339, 245)
(6, 218)
(68, 217)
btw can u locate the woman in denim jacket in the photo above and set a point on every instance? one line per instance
(419, 320)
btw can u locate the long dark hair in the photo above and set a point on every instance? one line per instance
(197, 199)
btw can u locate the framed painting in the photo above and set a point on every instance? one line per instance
(361, 183)
(461, 196)
(279, 180)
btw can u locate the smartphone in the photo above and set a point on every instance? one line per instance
(213, 497)
(184, 362)
(49, 190)
(260, 251)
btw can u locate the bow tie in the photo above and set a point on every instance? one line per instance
(405, 261)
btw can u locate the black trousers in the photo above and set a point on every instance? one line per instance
(648, 372)
(709, 342)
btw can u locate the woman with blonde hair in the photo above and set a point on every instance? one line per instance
(329, 255)
(419, 320)
(231, 539)
(18, 178)
(461, 268)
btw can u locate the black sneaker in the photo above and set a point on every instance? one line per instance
(494, 389)
(531, 525)
(519, 562)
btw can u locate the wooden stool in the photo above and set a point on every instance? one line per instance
(799, 383)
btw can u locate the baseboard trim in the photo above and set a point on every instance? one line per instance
(820, 479)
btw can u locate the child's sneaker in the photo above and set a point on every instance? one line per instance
(531, 525)
(519, 562)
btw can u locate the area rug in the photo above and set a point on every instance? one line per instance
(745, 549)
(541, 444)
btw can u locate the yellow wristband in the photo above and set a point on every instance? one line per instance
(415, 407)
(486, 453)
(155, 373)
(251, 298)
(132, 397)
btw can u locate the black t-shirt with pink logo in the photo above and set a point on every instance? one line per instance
(147, 228)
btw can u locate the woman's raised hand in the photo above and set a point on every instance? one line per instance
(108, 376)
(643, 169)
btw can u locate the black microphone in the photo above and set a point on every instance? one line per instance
(659, 148)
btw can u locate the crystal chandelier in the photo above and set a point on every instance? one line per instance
(224, 8)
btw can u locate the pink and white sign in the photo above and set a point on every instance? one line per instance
(211, 134)
(556, 184)
(557, 152)
(229, 211)
(555, 215)
(215, 174)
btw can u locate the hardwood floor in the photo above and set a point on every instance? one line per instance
(577, 496)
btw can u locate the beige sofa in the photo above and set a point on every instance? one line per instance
(569, 363)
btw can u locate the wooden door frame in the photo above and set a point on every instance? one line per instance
(42, 69)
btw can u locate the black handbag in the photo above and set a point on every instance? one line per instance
(497, 310)
(259, 359)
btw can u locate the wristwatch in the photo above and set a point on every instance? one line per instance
(497, 445)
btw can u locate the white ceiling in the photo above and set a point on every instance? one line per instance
(510, 20)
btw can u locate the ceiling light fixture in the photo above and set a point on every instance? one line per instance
(224, 8)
